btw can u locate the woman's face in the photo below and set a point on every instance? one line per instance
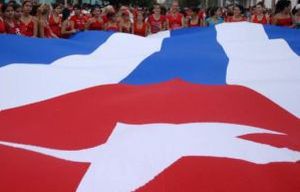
(259, 9)
(27, 7)
(58, 9)
(18, 13)
(77, 11)
(175, 7)
(96, 12)
(156, 9)
(9, 12)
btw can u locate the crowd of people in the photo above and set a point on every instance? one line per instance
(59, 21)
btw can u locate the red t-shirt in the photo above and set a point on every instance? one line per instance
(285, 22)
(79, 22)
(96, 25)
(156, 25)
(140, 31)
(2, 26)
(263, 20)
(233, 19)
(12, 29)
(27, 29)
(175, 21)
(55, 26)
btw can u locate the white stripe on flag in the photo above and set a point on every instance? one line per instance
(269, 67)
(22, 84)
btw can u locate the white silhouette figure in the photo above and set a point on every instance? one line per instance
(135, 154)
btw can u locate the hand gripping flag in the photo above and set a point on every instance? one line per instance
(199, 109)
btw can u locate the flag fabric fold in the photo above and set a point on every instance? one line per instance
(198, 109)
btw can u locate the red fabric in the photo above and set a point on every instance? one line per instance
(55, 26)
(233, 19)
(12, 29)
(2, 26)
(79, 22)
(263, 21)
(27, 29)
(112, 28)
(285, 22)
(156, 25)
(175, 21)
(140, 31)
(96, 25)
(28, 171)
(68, 28)
(210, 174)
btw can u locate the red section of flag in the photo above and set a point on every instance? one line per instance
(208, 174)
(22, 170)
(86, 118)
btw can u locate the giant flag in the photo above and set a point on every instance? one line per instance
(198, 109)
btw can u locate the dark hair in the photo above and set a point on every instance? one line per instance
(242, 9)
(195, 9)
(212, 11)
(5, 6)
(12, 3)
(54, 5)
(110, 15)
(65, 14)
(95, 7)
(281, 5)
(261, 4)
(77, 6)
(17, 6)
(26, 1)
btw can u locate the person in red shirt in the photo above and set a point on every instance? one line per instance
(259, 16)
(112, 24)
(55, 19)
(193, 19)
(2, 25)
(140, 27)
(238, 14)
(283, 15)
(175, 20)
(67, 28)
(156, 21)
(18, 13)
(28, 24)
(96, 22)
(44, 27)
(78, 18)
(125, 23)
(10, 23)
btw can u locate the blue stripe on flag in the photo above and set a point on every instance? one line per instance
(45, 51)
(291, 36)
(196, 57)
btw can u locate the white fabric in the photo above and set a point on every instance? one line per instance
(267, 66)
(25, 84)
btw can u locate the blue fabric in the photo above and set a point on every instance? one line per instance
(45, 51)
(291, 36)
(191, 54)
